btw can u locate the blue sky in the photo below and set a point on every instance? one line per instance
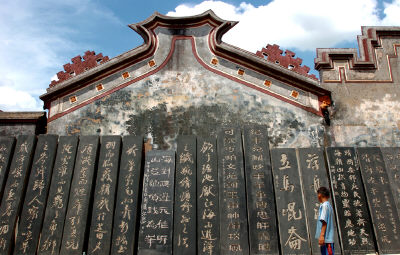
(38, 37)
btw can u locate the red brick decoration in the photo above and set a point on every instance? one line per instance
(274, 54)
(90, 60)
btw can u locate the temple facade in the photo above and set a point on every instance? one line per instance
(185, 80)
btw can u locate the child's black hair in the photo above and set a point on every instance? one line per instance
(324, 192)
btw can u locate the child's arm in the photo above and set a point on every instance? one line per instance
(321, 240)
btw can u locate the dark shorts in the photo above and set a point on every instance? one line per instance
(328, 249)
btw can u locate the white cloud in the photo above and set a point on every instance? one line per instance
(392, 11)
(305, 25)
(37, 38)
(11, 99)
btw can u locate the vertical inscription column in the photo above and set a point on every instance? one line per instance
(36, 195)
(314, 175)
(53, 224)
(351, 209)
(381, 203)
(14, 190)
(127, 203)
(207, 197)
(81, 194)
(103, 205)
(185, 196)
(6, 149)
(260, 192)
(289, 202)
(156, 223)
(232, 192)
(392, 161)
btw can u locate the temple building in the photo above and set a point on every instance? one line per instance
(189, 145)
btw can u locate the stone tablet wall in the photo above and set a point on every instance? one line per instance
(228, 194)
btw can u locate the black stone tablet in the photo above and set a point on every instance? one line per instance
(289, 202)
(36, 195)
(260, 192)
(14, 190)
(232, 193)
(185, 197)
(386, 223)
(104, 196)
(156, 222)
(77, 221)
(57, 202)
(127, 201)
(354, 222)
(208, 216)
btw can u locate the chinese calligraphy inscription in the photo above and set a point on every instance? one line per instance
(104, 194)
(126, 206)
(289, 202)
(392, 161)
(381, 203)
(53, 224)
(80, 196)
(351, 209)
(36, 195)
(155, 234)
(260, 194)
(6, 148)
(232, 202)
(314, 175)
(14, 190)
(185, 196)
(207, 197)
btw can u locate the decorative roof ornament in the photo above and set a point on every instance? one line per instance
(274, 54)
(90, 60)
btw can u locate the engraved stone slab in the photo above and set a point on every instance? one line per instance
(156, 223)
(381, 203)
(207, 197)
(127, 201)
(53, 224)
(185, 196)
(36, 195)
(354, 225)
(314, 175)
(14, 190)
(77, 220)
(104, 196)
(289, 202)
(232, 193)
(392, 161)
(6, 149)
(260, 192)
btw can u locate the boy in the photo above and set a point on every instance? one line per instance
(324, 232)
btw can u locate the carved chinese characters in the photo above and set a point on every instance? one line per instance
(232, 202)
(260, 193)
(127, 201)
(207, 197)
(81, 189)
(36, 195)
(6, 149)
(289, 202)
(381, 204)
(155, 234)
(392, 160)
(14, 190)
(103, 205)
(314, 175)
(57, 201)
(185, 196)
(351, 208)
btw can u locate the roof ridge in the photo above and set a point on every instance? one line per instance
(273, 53)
